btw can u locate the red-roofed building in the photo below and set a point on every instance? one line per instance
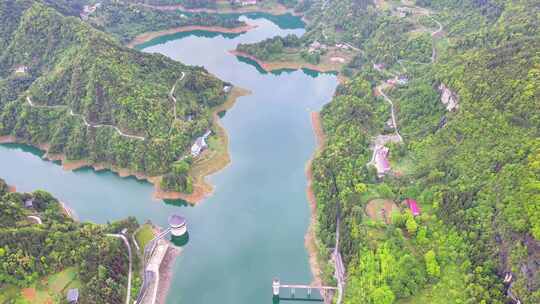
(413, 206)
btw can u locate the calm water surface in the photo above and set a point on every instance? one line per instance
(252, 228)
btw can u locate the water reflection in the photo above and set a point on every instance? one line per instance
(253, 227)
(180, 241)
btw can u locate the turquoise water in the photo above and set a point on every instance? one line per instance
(252, 228)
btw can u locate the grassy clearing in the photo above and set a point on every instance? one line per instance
(48, 290)
(144, 235)
(402, 166)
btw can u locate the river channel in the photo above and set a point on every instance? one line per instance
(253, 226)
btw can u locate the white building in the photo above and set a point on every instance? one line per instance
(200, 144)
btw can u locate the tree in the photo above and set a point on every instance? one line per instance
(360, 188)
(411, 225)
(432, 266)
(383, 295)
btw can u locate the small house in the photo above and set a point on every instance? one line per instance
(88, 9)
(391, 81)
(21, 69)
(198, 146)
(227, 89)
(379, 66)
(337, 59)
(72, 296)
(315, 46)
(402, 80)
(413, 206)
(29, 203)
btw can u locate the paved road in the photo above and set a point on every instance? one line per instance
(36, 218)
(338, 264)
(392, 111)
(126, 242)
(380, 91)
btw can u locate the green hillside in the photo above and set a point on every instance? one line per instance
(474, 170)
(68, 85)
(57, 254)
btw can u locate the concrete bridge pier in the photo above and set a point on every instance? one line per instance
(275, 287)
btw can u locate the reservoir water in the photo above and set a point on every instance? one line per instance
(252, 228)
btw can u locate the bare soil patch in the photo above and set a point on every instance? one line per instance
(381, 210)
(310, 238)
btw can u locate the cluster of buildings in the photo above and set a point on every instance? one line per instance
(403, 11)
(316, 46)
(88, 10)
(244, 2)
(399, 80)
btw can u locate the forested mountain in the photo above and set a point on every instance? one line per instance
(474, 169)
(68, 85)
(127, 19)
(32, 250)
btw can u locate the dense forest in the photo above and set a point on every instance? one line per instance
(269, 48)
(30, 251)
(212, 4)
(184, 3)
(72, 87)
(127, 19)
(474, 170)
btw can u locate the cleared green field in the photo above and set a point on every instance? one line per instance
(144, 235)
(51, 289)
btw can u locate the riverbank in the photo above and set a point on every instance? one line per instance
(274, 9)
(310, 238)
(212, 161)
(145, 37)
(166, 273)
(283, 65)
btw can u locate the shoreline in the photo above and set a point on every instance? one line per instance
(310, 238)
(282, 65)
(277, 10)
(216, 163)
(201, 188)
(145, 37)
(166, 273)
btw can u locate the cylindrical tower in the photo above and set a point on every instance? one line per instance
(177, 224)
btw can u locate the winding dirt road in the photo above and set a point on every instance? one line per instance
(86, 123)
(171, 94)
(381, 140)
